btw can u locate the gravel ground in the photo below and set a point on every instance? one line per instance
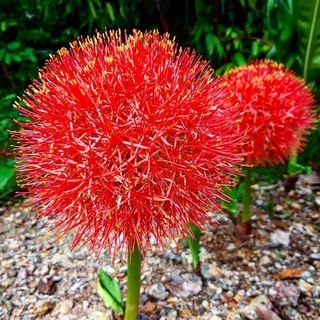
(271, 274)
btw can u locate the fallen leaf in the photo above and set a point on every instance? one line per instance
(293, 273)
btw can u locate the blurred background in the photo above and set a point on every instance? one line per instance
(228, 33)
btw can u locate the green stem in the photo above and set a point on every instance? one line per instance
(194, 244)
(133, 284)
(292, 162)
(246, 214)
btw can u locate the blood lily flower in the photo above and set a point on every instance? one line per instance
(129, 136)
(277, 110)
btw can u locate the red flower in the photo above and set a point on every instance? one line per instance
(277, 110)
(128, 136)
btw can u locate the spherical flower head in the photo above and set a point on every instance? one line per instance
(277, 110)
(129, 136)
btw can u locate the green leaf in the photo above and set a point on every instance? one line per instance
(255, 48)
(110, 11)
(280, 25)
(110, 292)
(16, 57)
(239, 59)
(2, 53)
(194, 244)
(7, 58)
(92, 10)
(13, 45)
(5, 175)
(307, 18)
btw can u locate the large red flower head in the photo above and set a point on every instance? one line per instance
(129, 136)
(277, 110)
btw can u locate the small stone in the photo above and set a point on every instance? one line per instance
(209, 271)
(64, 307)
(316, 291)
(231, 247)
(44, 270)
(79, 256)
(43, 307)
(278, 208)
(265, 313)
(158, 291)
(85, 304)
(47, 286)
(305, 275)
(76, 286)
(304, 286)
(23, 273)
(315, 256)
(169, 255)
(280, 237)
(249, 310)
(12, 273)
(186, 313)
(61, 260)
(284, 293)
(13, 245)
(99, 315)
(205, 304)
(123, 269)
(172, 314)
(56, 278)
(296, 205)
(265, 260)
(149, 307)
(292, 313)
(187, 285)
(6, 283)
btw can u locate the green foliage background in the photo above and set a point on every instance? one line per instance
(226, 32)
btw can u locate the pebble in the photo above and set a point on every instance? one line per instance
(315, 256)
(187, 285)
(280, 237)
(265, 260)
(231, 275)
(284, 293)
(171, 256)
(316, 291)
(43, 307)
(305, 275)
(210, 271)
(304, 286)
(158, 291)
(44, 270)
(64, 307)
(249, 310)
(61, 260)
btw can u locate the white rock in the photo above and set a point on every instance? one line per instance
(249, 310)
(280, 237)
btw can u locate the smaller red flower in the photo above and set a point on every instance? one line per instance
(277, 110)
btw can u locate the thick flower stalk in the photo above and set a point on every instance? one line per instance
(277, 111)
(129, 136)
